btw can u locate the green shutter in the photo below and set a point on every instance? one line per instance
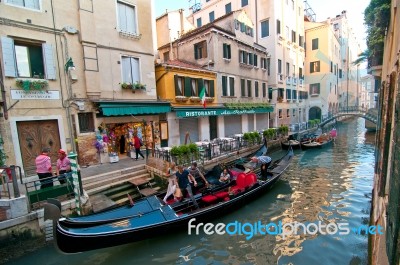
(211, 82)
(311, 67)
(232, 86)
(196, 54)
(318, 88)
(224, 51)
(200, 85)
(188, 87)
(224, 92)
(228, 49)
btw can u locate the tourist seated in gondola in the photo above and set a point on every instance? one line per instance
(225, 177)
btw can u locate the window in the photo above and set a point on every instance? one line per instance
(198, 22)
(200, 50)
(86, 123)
(264, 90)
(264, 28)
(211, 16)
(280, 92)
(331, 67)
(314, 89)
(228, 8)
(127, 18)
(279, 66)
(293, 36)
(280, 114)
(194, 87)
(226, 51)
(315, 44)
(130, 70)
(33, 4)
(242, 57)
(293, 4)
(336, 26)
(179, 85)
(314, 67)
(255, 61)
(300, 73)
(278, 26)
(31, 59)
(287, 69)
(250, 58)
(256, 94)
(245, 3)
(166, 56)
(301, 41)
(340, 73)
(249, 94)
(294, 112)
(209, 86)
(288, 94)
(242, 87)
(269, 93)
(269, 66)
(287, 33)
(335, 69)
(263, 62)
(288, 113)
(228, 86)
(294, 94)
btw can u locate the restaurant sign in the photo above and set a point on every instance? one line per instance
(32, 94)
(217, 112)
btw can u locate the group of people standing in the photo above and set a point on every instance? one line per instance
(44, 168)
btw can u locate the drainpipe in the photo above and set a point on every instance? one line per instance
(66, 106)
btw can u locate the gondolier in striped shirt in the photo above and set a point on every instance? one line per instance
(263, 162)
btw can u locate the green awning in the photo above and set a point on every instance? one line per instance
(130, 108)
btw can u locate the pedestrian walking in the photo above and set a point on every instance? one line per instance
(137, 143)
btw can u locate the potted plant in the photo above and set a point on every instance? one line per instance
(126, 85)
(138, 85)
(28, 85)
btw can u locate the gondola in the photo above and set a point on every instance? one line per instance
(294, 144)
(149, 204)
(167, 218)
(315, 144)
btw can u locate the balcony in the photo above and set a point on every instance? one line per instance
(288, 80)
(280, 78)
(294, 81)
(301, 82)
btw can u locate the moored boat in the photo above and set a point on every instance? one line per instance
(315, 144)
(293, 143)
(169, 218)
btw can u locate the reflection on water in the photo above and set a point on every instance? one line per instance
(328, 185)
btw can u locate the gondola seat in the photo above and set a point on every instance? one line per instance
(221, 194)
(251, 179)
(209, 199)
(240, 184)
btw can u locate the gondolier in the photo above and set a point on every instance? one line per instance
(263, 162)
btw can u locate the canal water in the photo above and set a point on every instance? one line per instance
(327, 185)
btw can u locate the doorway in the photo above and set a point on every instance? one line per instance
(33, 137)
(213, 127)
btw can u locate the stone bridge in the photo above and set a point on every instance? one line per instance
(370, 115)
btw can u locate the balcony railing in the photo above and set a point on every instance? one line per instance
(294, 81)
(288, 80)
(301, 82)
(280, 78)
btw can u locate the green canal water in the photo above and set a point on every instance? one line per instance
(328, 185)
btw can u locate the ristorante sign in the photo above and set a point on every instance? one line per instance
(217, 112)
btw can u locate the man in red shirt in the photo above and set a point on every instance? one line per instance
(43, 168)
(137, 144)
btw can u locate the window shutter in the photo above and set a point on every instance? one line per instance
(177, 92)
(122, 17)
(310, 90)
(48, 60)
(255, 61)
(232, 86)
(224, 86)
(212, 93)
(228, 49)
(200, 85)
(34, 4)
(311, 67)
(196, 54)
(135, 70)
(188, 87)
(318, 88)
(10, 67)
(224, 51)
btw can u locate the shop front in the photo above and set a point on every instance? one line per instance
(262, 121)
(120, 122)
(196, 122)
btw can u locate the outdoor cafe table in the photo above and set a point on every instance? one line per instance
(206, 145)
(232, 143)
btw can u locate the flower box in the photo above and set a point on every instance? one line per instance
(194, 99)
(181, 99)
(209, 99)
(35, 84)
(134, 86)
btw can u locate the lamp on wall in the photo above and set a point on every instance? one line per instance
(69, 65)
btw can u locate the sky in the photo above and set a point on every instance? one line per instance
(322, 8)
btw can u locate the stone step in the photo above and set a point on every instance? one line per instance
(132, 170)
(110, 180)
(106, 186)
(135, 197)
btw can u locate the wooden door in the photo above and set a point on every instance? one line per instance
(33, 136)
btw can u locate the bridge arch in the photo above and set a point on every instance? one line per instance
(314, 113)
